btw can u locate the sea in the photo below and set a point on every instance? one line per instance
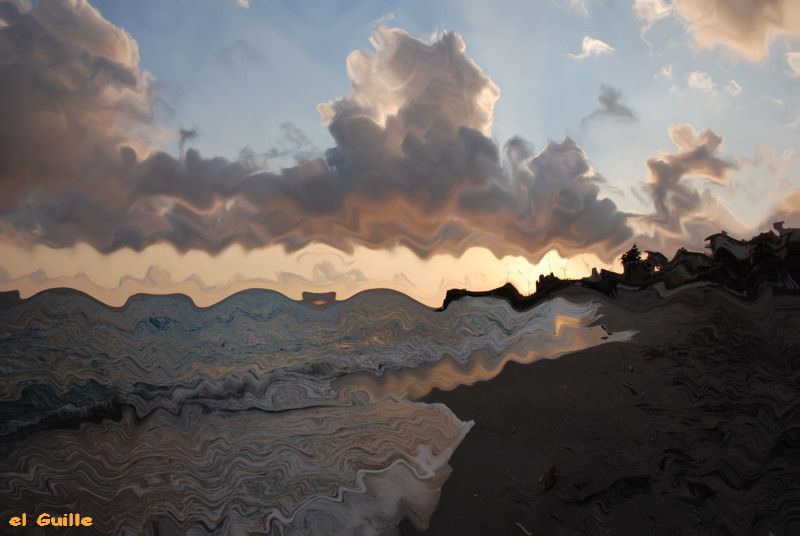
(257, 415)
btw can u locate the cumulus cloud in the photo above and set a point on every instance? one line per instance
(701, 81)
(71, 93)
(679, 184)
(413, 163)
(611, 105)
(745, 27)
(384, 19)
(592, 47)
(292, 146)
(698, 155)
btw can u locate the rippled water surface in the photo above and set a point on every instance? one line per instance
(258, 414)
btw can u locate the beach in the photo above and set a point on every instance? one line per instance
(572, 413)
(693, 428)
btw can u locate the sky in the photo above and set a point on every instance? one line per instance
(207, 147)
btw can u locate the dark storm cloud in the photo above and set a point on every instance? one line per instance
(414, 162)
(611, 105)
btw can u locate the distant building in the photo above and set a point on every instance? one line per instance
(778, 226)
(722, 241)
(655, 261)
(693, 261)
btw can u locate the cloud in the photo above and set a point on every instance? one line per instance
(665, 72)
(793, 62)
(592, 47)
(579, 6)
(786, 209)
(413, 165)
(765, 157)
(701, 81)
(72, 94)
(698, 155)
(383, 19)
(292, 146)
(240, 51)
(244, 3)
(611, 106)
(686, 210)
(292, 135)
(781, 185)
(745, 27)
(733, 87)
(186, 135)
(651, 11)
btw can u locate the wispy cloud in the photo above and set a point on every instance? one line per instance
(701, 81)
(611, 106)
(383, 19)
(681, 211)
(244, 3)
(733, 87)
(592, 47)
(240, 50)
(651, 11)
(793, 62)
(579, 6)
(185, 136)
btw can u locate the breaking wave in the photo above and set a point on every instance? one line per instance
(259, 414)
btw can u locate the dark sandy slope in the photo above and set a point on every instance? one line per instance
(692, 429)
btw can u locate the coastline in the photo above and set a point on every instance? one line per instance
(694, 428)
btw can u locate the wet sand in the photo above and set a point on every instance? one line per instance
(692, 429)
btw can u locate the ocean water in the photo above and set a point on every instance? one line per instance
(256, 415)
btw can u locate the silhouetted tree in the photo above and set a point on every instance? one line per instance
(631, 260)
(632, 256)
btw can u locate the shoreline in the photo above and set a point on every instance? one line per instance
(694, 428)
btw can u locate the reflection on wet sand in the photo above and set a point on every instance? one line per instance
(568, 334)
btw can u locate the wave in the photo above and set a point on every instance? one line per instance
(258, 414)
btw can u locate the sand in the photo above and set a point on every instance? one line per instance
(692, 429)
